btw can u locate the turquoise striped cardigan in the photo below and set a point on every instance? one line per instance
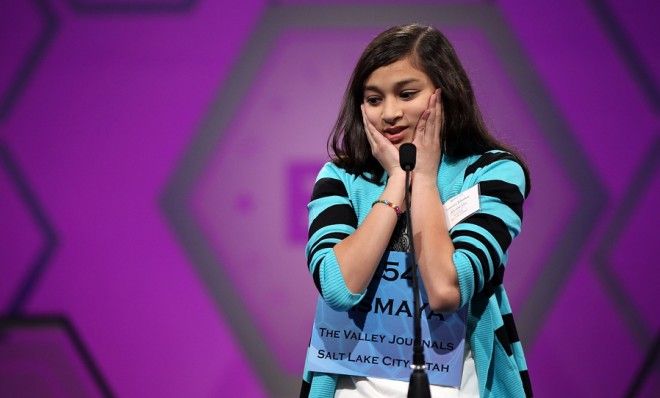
(341, 201)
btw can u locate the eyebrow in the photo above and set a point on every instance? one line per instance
(396, 85)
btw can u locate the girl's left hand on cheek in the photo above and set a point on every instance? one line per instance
(427, 138)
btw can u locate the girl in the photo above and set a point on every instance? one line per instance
(409, 86)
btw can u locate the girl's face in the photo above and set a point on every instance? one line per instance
(395, 96)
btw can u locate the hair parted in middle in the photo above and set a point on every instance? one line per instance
(463, 132)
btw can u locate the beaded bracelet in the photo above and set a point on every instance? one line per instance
(394, 207)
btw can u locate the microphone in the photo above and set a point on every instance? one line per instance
(407, 156)
(418, 387)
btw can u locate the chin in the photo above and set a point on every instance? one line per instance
(398, 145)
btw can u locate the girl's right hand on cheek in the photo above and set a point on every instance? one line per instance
(382, 149)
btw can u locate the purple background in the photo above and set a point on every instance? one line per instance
(156, 158)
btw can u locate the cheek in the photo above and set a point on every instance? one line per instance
(415, 112)
(372, 116)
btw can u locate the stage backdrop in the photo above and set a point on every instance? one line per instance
(156, 158)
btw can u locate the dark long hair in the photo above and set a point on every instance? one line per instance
(463, 133)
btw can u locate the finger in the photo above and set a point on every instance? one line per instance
(439, 114)
(379, 139)
(433, 99)
(421, 127)
(375, 137)
(433, 126)
(429, 132)
(439, 118)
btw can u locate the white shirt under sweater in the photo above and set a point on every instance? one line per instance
(371, 387)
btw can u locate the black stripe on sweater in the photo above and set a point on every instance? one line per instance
(481, 256)
(328, 187)
(510, 326)
(320, 246)
(304, 389)
(494, 225)
(332, 235)
(475, 274)
(482, 239)
(492, 157)
(503, 338)
(494, 282)
(316, 248)
(527, 383)
(337, 214)
(486, 159)
(504, 191)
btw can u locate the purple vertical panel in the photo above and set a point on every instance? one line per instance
(599, 95)
(279, 131)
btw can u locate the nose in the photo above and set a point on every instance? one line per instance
(391, 112)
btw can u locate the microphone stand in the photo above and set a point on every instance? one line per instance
(419, 381)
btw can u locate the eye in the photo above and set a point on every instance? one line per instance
(408, 94)
(372, 100)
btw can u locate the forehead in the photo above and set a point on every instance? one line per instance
(401, 70)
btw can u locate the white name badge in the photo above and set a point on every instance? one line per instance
(462, 206)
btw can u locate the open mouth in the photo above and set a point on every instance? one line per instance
(395, 134)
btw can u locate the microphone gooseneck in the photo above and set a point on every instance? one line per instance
(419, 381)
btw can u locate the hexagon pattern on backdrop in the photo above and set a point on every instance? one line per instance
(26, 29)
(44, 356)
(18, 243)
(236, 199)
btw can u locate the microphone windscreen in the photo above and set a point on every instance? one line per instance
(407, 156)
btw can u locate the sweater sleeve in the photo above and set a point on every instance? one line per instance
(481, 240)
(331, 219)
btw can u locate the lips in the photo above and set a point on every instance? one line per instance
(395, 134)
